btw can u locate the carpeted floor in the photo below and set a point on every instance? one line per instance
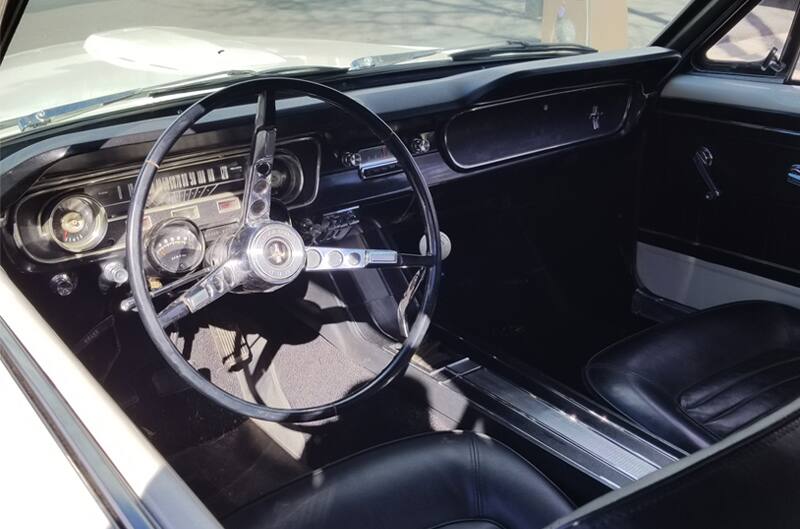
(246, 345)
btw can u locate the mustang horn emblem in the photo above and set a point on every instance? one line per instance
(277, 253)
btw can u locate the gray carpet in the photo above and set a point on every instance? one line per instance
(313, 373)
(214, 351)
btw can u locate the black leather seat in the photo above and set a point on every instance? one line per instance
(455, 480)
(698, 379)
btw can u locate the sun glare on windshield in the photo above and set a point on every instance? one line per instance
(90, 49)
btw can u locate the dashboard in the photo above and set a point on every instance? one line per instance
(65, 196)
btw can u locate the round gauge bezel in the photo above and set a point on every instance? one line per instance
(296, 177)
(97, 234)
(154, 236)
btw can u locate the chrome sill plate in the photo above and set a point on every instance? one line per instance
(560, 423)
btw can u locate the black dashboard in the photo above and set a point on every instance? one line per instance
(65, 195)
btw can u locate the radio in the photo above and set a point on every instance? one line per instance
(378, 161)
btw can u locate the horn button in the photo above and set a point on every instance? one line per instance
(276, 253)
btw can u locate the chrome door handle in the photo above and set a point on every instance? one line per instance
(703, 159)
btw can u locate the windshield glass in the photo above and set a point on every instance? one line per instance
(68, 51)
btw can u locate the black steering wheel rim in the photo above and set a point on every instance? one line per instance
(135, 254)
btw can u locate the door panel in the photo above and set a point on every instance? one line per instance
(750, 227)
(701, 284)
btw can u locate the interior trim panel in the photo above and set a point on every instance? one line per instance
(731, 169)
(735, 91)
(701, 284)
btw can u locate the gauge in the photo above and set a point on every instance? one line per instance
(78, 223)
(287, 177)
(176, 246)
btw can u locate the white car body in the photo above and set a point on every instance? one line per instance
(124, 59)
(105, 469)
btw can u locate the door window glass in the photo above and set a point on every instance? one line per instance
(759, 39)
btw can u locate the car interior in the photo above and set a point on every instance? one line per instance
(476, 295)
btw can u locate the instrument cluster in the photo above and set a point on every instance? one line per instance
(192, 200)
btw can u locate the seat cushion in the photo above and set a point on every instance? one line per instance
(457, 480)
(697, 379)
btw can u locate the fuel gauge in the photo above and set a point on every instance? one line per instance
(78, 223)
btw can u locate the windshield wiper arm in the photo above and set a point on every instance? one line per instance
(54, 114)
(388, 59)
(517, 48)
(48, 115)
(61, 112)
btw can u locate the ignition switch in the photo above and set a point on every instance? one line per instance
(64, 283)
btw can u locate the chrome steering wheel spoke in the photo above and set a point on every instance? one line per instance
(258, 179)
(218, 282)
(332, 259)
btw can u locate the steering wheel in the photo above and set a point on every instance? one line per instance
(263, 255)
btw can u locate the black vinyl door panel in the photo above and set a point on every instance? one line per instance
(752, 225)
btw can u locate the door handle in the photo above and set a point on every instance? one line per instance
(703, 159)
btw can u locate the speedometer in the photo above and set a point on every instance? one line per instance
(176, 246)
(78, 223)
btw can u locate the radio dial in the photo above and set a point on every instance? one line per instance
(351, 159)
(420, 145)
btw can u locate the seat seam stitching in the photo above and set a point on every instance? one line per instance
(738, 380)
(473, 464)
(741, 403)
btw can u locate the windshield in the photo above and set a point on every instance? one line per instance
(68, 51)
